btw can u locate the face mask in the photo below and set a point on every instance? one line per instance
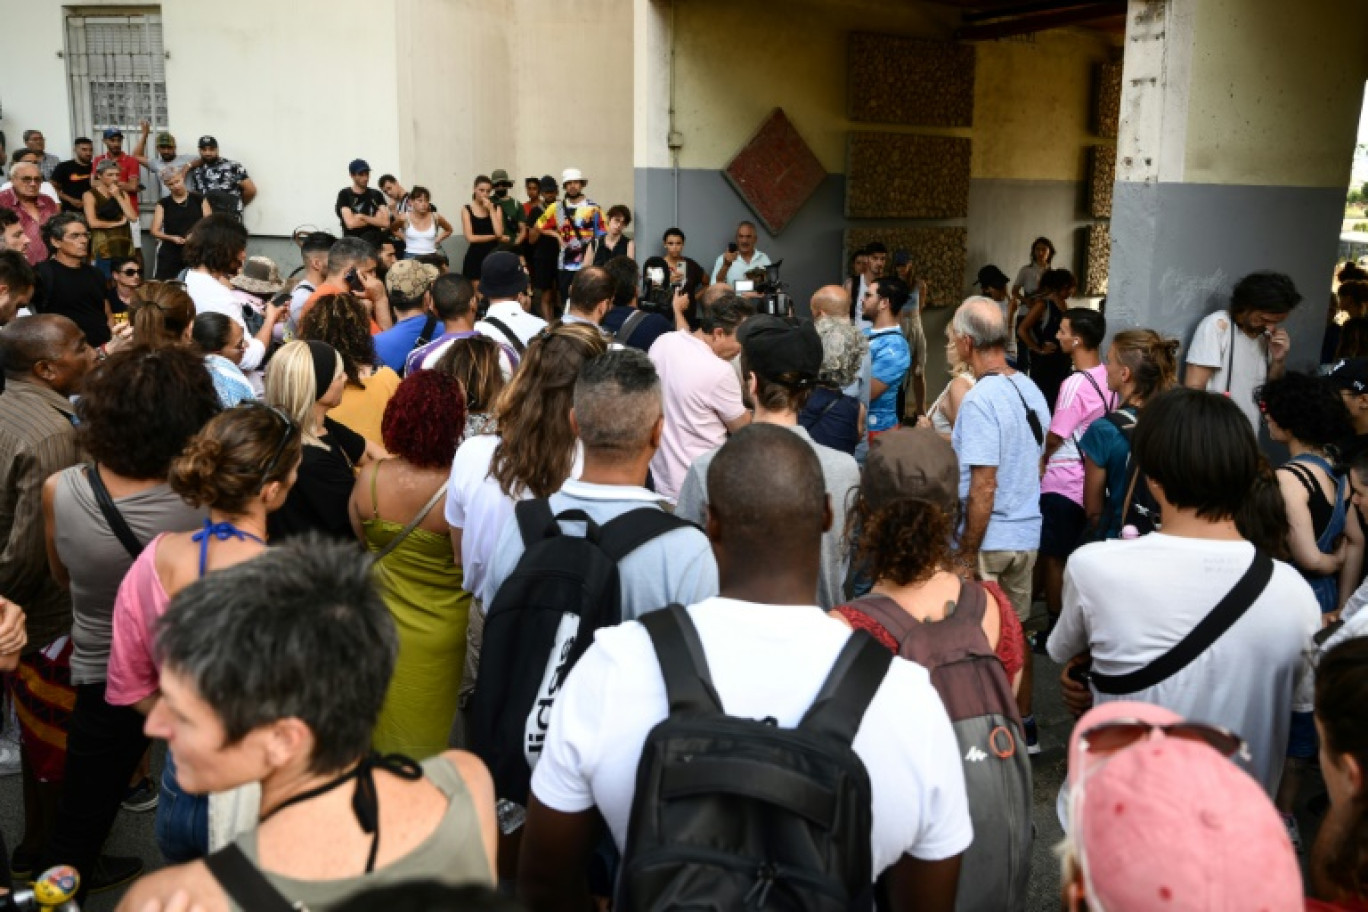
(501, 192)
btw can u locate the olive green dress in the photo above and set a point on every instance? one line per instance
(422, 589)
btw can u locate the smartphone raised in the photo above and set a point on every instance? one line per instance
(354, 282)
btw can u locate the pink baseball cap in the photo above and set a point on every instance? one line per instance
(1081, 762)
(1171, 824)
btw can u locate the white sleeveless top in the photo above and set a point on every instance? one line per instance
(418, 243)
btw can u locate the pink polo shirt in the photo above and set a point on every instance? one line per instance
(37, 248)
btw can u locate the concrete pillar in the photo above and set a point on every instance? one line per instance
(1238, 127)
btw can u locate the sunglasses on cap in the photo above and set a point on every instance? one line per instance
(1110, 737)
(288, 430)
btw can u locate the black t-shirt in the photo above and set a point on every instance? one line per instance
(369, 202)
(77, 293)
(179, 218)
(73, 179)
(648, 329)
(318, 500)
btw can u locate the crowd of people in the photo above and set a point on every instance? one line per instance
(559, 578)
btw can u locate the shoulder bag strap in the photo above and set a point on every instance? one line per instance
(855, 676)
(425, 336)
(683, 664)
(628, 327)
(1230, 355)
(622, 535)
(244, 882)
(509, 334)
(1221, 618)
(412, 523)
(1032, 419)
(113, 518)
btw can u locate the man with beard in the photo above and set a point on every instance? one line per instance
(71, 178)
(576, 220)
(223, 182)
(152, 167)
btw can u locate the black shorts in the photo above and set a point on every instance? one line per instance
(1062, 525)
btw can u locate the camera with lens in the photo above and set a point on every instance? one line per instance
(773, 297)
(657, 289)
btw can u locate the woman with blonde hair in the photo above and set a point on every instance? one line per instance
(305, 380)
(341, 321)
(941, 415)
(1140, 365)
(162, 314)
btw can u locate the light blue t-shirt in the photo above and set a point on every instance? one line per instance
(991, 430)
(889, 359)
(675, 567)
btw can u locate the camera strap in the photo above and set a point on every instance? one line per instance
(628, 327)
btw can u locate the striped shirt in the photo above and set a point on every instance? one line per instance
(37, 439)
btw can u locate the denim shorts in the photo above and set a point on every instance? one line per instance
(1302, 742)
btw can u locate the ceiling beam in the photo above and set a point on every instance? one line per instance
(1023, 9)
(1027, 25)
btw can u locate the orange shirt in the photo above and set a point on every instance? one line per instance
(323, 289)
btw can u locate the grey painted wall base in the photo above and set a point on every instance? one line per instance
(1005, 216)
(1177, 249)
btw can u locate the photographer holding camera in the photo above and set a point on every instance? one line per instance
(739, 258)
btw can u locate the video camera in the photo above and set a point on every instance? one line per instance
(657, 290)
(764, 281)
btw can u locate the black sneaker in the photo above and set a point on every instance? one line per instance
(1032, 735)
(141, 797)
(22, 863)
(113, 871)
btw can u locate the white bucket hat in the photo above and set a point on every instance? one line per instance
(572, 174)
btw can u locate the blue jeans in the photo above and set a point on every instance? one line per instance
(182, 826)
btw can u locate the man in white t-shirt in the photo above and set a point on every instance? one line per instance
(733, 264)
(1234, 351)
(702, 390)
(508, 320)
(1128, 603)
(768, 650)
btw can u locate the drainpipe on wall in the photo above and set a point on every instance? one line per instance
(674, 139)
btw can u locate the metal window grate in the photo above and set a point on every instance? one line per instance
(116, 67)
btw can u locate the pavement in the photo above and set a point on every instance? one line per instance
(133, 833)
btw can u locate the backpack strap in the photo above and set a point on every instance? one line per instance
(113, 518)
(1210, 629)
(629, 326)
(509, 334)
(683, 664)
(535, 520)
(855, 676)
(887, 613)
(622, 535)
(244, 882)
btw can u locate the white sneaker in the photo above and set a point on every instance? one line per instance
(9, 758)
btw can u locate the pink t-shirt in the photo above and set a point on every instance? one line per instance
(133, 672)
(701, 393)
(1080, 403)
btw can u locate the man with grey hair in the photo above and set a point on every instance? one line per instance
(618, 415)
(999, 437)
(34, 209)
(351, 270)
(740, 257)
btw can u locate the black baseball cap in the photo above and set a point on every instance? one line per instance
(781, 352)
(502, 276)
(208, 142)
(549, 184)
(1350, 374)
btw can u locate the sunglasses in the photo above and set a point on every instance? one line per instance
(1110, 737)
(288, 429)
(131, 272)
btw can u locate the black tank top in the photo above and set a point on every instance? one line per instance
(179, 218)
(603, 253)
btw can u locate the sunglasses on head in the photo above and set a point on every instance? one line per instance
(288, 429)
(1109, 737)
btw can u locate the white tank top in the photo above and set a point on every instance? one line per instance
(417, 243)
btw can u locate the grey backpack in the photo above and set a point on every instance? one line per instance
(973, 686)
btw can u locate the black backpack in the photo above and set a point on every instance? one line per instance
(1138, 506)
(541, 621)
(734, 813)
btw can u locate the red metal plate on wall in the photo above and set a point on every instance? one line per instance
(775, 172)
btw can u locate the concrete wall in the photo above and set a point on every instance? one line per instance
(734, 60)
(1237, 135)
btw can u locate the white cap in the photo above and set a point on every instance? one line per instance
(572, 174)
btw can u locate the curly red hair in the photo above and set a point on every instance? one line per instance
(424, 419)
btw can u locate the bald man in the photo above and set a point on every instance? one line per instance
(769, 649)
(999, 438)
